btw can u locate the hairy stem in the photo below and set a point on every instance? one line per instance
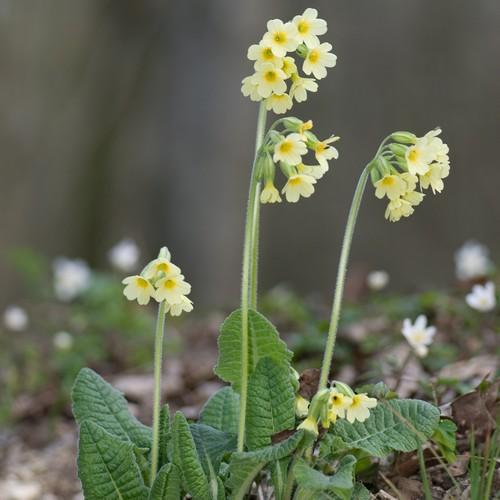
(249, 274)
(341, 273)
(160, 332)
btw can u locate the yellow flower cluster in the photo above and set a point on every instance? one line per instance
(161, 280)
(340, 401)
(408, 166)
(287, 149)
(274, 68)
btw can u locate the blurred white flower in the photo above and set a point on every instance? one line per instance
(15, 318)
(377, 280)
(419, 335)
(71, 278)
(482, 298)
(63, 341)
(124, 255)
(472, 261)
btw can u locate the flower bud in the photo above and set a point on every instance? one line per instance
(275, 137)
(302, 50)
(384, 165)
(404, 137)
(343, 388)
(398, 149)
(292, 123)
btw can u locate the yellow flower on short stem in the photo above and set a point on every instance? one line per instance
(310, 424)
(309, 27)
(289, 67)
(270, 194)
(161, 267)
(185, 305)
(316, 171)
(324, 152)
(337, 405)
(281, 37)
(318, 59)
(360, 408)
(301, 406)
(433, 178)
(262, 53)
(268, 79)
(398, 208)
(279, 103)
(138, 288)
(172, 289)
(392, 186)
(300, 87)
(297, 186)
(290, 149)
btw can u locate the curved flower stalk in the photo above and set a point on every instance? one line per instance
(276, 83)
(161, 280)
(402, 169)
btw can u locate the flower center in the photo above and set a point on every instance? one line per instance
(270, 76)
(388, 180)
(320, 147)
(280, 37)
(142, 283)
(313, 56)
(303, 27)
(413, 155)
(285, 147)
(267, 54)
(169, 284)
(163, 267)
(295, 181)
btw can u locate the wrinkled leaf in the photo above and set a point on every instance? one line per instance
(221, 411)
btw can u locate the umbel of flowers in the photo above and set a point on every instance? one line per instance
(338, 401)
(163, 281)
(284, 148)
(406, 168)
(283, 50)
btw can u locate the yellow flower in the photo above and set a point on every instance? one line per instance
(301, 406)
(185, 305)
(433, 178)
(310, 425)
(262, 53)
(359, 408)
(337, 405)
(270, 194)
(281, 37)
(398, 208)
(138, 288)
(391, 186)
(319, 58)
(279, 103)
(418, 158)
(297, 186)
(172, 289)
(309, 26)
(250, 89)
(324, 152)
(290, 149)
(316, 171)
(161, 265)
(289, 67)
(301, 86)
(268, 79)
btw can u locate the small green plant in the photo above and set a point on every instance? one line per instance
(259, 434)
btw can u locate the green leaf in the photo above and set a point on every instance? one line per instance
(211, 445)
(270, 405)
(141, 457)
(360, 492)
(263, 341)
(244, 466)
(221, 411)
(167, 485)
(97, 401)
(341, 483)
(279, 470)
(446, 439)
(185, 457)
(164, 436)
(107, 466)
(398, 424)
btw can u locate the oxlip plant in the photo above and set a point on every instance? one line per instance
(264, 433)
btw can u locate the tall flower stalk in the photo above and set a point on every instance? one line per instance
(402, 162)
(250, 270)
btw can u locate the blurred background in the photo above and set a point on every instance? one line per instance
(125, 119)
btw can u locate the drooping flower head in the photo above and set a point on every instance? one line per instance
(277, 59)
(160, 280)
(406, 166)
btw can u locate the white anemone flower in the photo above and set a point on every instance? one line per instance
(419, 335)
(377, 280)
(15, 318)
(472, 261)
(71, 278)
(124, 255)
(482, 298)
